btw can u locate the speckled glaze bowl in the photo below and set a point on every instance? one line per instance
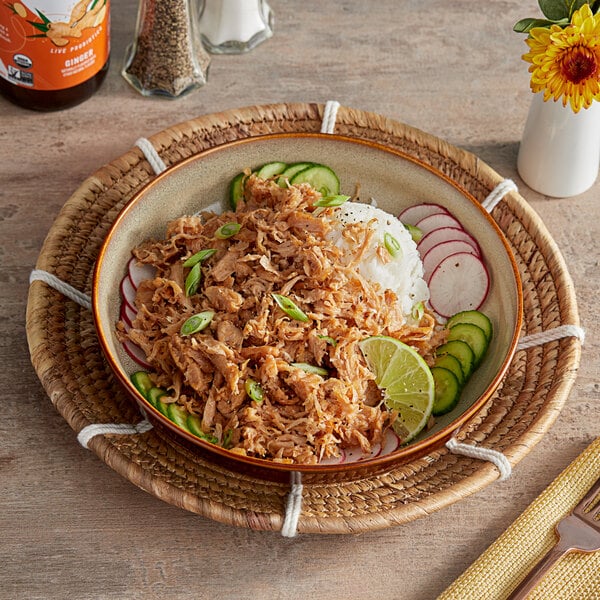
(395, 181)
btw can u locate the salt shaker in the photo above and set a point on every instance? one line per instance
(166, 57)
(234, 26)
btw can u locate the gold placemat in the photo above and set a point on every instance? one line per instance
(506, 562)
(68, 360)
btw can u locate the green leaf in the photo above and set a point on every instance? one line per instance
(554, 10)
(41, 26)
(526, 25)
(557, 10)
(42, 16)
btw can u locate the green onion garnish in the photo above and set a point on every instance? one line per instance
(197, 323)
(328, 339)
(192, 281)
(254, 390)
(227, 437)
(418, 311)
(289, 308)
(227, 230)
(392, 245)
(199, 257)
(311, 369)
(328, 201)
(415, 232)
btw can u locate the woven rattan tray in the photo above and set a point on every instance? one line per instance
(68, 360)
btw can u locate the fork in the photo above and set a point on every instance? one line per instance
(580, 530)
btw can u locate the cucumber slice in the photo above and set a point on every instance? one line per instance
(142, 382)
(447, 391)
(476, 318)
(271, 169)
(154, 396)
(236, 190)
(450, 362)
(288, 173)
(322, 178)
(472, 335)
(178, 415)
(194, 425)
(462, 351)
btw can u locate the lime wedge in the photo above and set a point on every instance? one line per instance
(405, 380)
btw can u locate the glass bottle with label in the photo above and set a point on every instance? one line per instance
(54, 53)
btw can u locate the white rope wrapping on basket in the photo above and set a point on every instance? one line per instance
(152, 156)
(59, 285)
(551, 335)
(486, 454)
(90, 431)
(293, 506)
(496, 195)
(329, 116)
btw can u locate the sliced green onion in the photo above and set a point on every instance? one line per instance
(328, 201)
(197, 323)
(199, 257)
(311, 369)
(289, 308)
(392, 245)
(254, 390)
(192, 281)
(227, 437)
(227, 230)
(328, 339)
(418, 311)
(415, 232)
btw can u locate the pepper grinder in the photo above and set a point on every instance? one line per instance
(234, 26)
(166, 57)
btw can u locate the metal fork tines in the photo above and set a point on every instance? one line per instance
(580, 530)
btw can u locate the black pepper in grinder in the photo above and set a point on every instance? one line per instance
(166, 57)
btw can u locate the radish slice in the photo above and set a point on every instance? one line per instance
(390, 442)
(437, 221)
(334, 460)
(127, 315)
(138, 272)
(128, 291)
(439, 252)
(460, 282)
(136, 353)
(356, 454)
(445, 234)
(413, 214)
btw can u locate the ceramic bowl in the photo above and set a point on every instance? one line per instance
(395, 181)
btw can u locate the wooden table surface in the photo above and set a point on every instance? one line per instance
(70, 527)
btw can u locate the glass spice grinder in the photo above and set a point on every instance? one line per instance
(167, 57)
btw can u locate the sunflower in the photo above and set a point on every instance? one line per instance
(565, 62)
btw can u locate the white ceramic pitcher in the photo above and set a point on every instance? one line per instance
(559, 155)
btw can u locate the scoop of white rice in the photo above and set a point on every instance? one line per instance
(403, 274)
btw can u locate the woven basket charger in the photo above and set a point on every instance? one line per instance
(68, 360)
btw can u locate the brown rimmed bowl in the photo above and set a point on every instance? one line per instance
(395, 180)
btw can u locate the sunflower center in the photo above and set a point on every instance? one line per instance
(579, 64)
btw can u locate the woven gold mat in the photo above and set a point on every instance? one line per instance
(68, 360)
(498, 571)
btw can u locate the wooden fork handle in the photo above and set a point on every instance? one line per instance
(540, 569)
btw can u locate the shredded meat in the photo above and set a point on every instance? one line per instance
(281, 248)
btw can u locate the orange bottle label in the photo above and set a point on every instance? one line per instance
(53, 44)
